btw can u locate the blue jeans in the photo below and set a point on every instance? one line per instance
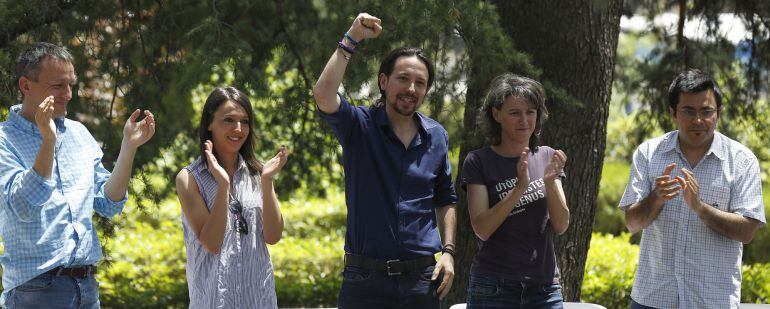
(51, 291)
(490, 292)
(363, 288)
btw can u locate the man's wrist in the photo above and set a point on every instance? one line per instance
(655, 200)
(125, 145)
(698, 206)
(450, 249)
(356, 35)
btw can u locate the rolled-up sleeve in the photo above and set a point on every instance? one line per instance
(639, 185)
(103, 205)
(445, 188)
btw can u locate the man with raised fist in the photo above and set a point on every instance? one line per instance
(398, 184)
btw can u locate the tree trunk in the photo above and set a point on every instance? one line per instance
(574, 44)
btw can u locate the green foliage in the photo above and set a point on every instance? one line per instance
(757, 250)
(755, 287)
(611, 266)
(166, 56)
(643, 73)
(308, 259)
(146, 267)
(609, 272)
(609, 218)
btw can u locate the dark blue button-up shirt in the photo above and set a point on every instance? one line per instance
(391, 191)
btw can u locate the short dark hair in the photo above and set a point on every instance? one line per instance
(217, 98)
(389, 63)
(693, 81)
(31, 60)
(520, 87)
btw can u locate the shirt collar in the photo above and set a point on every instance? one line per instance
(671, 143)
(381, 118)
(717, 146)
(22, 124)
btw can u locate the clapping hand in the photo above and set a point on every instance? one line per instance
(555, 166)
(44, 119)
(136, 133)
(219, 173)
(522, 170)
(667, 188)
(274, 165)
(690, 187)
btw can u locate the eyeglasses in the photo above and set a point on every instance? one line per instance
(236, 208)
(691, 113)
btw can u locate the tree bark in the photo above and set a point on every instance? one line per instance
(574, 44)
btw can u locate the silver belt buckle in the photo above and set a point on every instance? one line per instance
(387, 268)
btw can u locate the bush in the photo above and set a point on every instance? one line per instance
(757, 250)
(755, 286)
(609, 218)
(147, 257)
(147, 265)
(308, 260)
(609, 272)
(611, 266)
(146, 268)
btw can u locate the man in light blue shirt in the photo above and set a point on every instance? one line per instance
(52, 181)
(697, 196)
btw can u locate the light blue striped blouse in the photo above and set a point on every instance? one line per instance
(241, 275)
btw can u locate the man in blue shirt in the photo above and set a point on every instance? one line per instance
(696, 195)
(398, 185)
(52, 182)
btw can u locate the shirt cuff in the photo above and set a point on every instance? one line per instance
(110, 202)
(751, 214)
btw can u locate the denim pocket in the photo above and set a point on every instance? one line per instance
(427, 273)
(38, 283)
(355, 274)
(483, 289)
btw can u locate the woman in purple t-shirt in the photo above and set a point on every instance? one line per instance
(516, 201)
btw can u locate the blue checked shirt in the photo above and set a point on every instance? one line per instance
(682, 262)
(47, 223)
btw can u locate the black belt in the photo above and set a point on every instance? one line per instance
(391, 267)
(76, 272)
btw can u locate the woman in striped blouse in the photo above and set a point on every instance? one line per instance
(230, 209)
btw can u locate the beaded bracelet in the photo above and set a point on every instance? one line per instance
(350, 50)
(350, 38)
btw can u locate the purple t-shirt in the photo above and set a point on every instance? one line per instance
(522, 247)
